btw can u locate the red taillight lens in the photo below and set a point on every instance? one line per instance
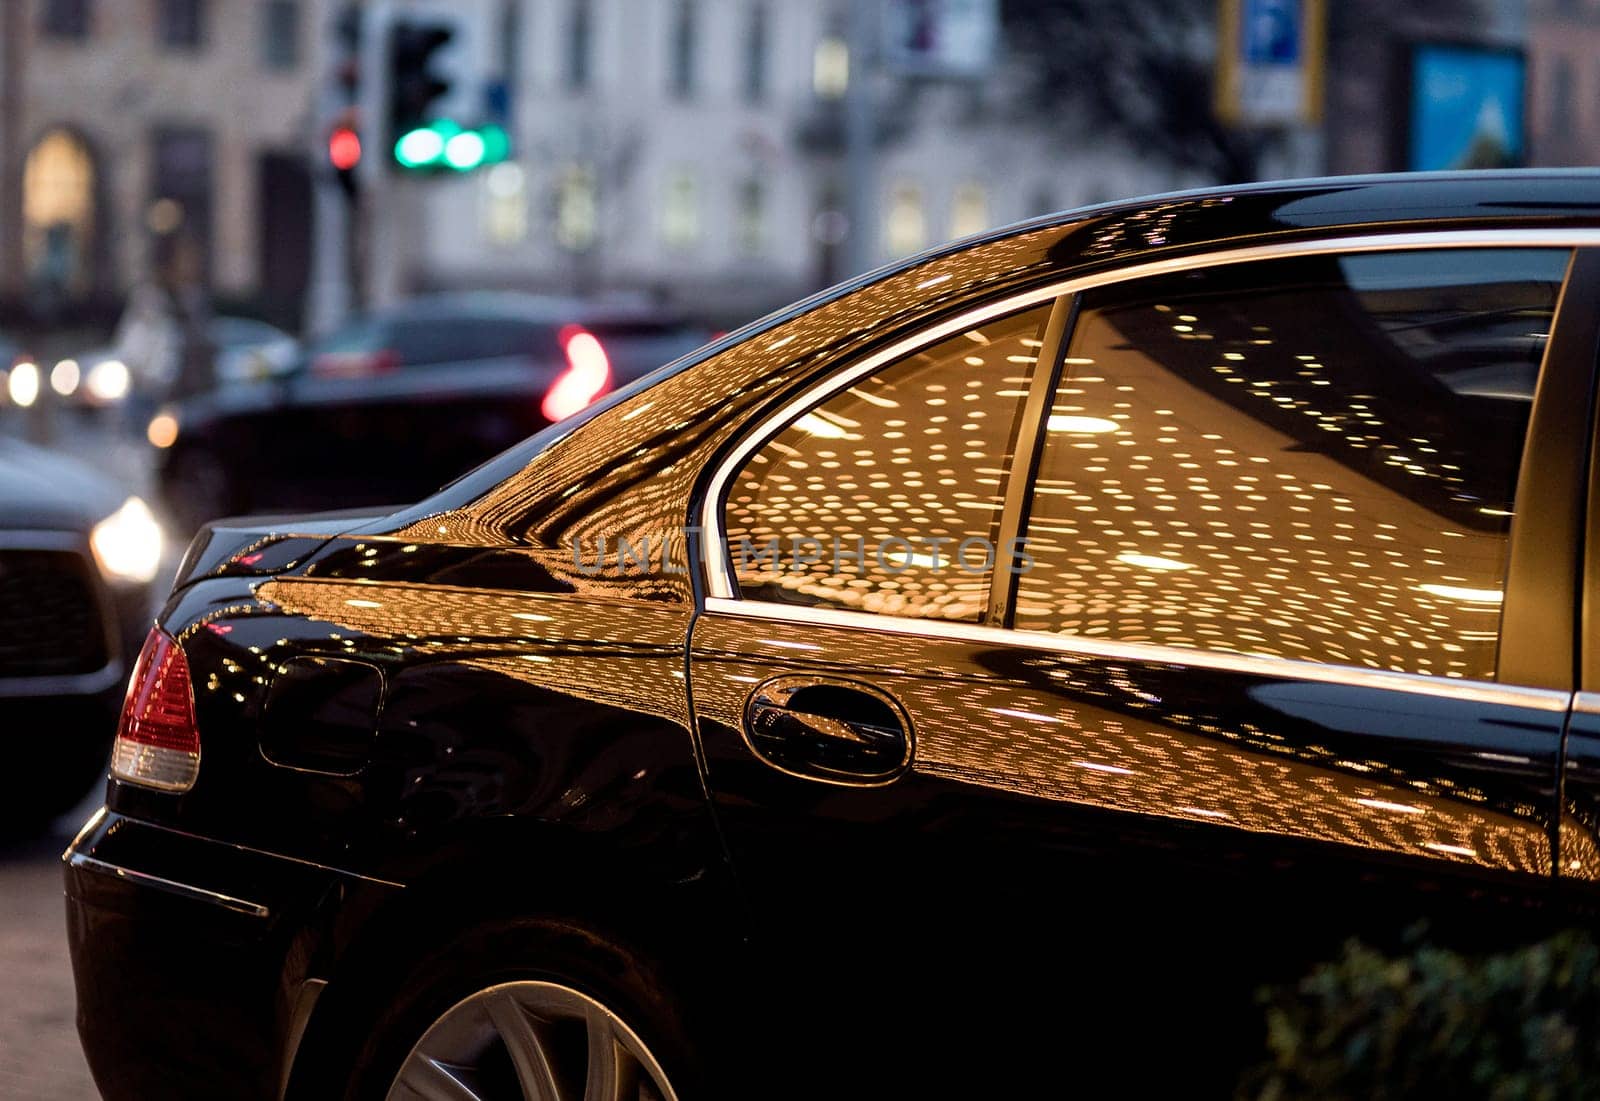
(157, 743)
(587, 375)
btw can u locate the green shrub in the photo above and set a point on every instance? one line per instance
(1522, 1026)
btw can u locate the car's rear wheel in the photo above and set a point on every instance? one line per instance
(520, 1010)
(538, 1041)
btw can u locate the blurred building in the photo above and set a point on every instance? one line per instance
(1373, 77)
(164, 139)
(692, 148)
(1564, 59)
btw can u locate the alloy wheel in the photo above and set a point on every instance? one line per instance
(537, 1041)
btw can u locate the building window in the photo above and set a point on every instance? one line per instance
(58, 214)
(1311, 458)
(830, 68)
(280, 34)
(900, 478)
(755, 54)
(1562, 100)
(905, 229)
(685, 40)
(511, 30)
(577, 209)
(751, 229)
(969, 213)
(505, 204)
(580, 45)
(680, 212)
(182, 24)
(65, 18)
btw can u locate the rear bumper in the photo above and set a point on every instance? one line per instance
(190, 959)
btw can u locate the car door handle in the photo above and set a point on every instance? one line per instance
(840, 732)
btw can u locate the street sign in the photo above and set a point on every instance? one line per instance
(941, 38)
(1270, 56)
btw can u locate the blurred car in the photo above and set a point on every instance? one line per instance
(394, 404)
(77, 556)
(245, 349)
(14, 386)
(248, 349)
(1024, 653)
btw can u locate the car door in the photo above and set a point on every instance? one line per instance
(1283, 655)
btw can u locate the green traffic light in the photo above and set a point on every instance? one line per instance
(419, 148)
(444, 144)
(465, 151)
(496, 144)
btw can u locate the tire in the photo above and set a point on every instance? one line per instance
(495, 961)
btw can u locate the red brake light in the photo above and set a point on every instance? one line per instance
(157, 742)
(587, 375)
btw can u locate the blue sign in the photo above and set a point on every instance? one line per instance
(1271, 32)
(1466, 108)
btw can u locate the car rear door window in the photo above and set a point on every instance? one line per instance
(887, 496)
(1311, 458)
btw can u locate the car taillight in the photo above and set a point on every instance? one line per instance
(157, 743)
(587, 375)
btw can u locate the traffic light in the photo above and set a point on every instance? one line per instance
(429, 127)
(344, 155)
(415, 85)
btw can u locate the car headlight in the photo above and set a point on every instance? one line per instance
(127, 544)
(108, 381)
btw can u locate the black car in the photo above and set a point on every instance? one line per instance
(979, 677)
(392, 405)
(77, 556)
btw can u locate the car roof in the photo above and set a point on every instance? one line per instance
(1210, 215)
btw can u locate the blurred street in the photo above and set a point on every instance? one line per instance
(40, 1058)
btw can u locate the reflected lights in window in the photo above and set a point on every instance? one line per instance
(907, 466)
(1312, 459)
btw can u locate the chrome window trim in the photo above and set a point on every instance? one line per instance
(1422, 684)
(1586, 703)
(171, 886)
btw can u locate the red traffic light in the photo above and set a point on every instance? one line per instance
(344, 148)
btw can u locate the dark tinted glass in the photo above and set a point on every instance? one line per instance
(1311, 458)
(885, 482)
(443, 340)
